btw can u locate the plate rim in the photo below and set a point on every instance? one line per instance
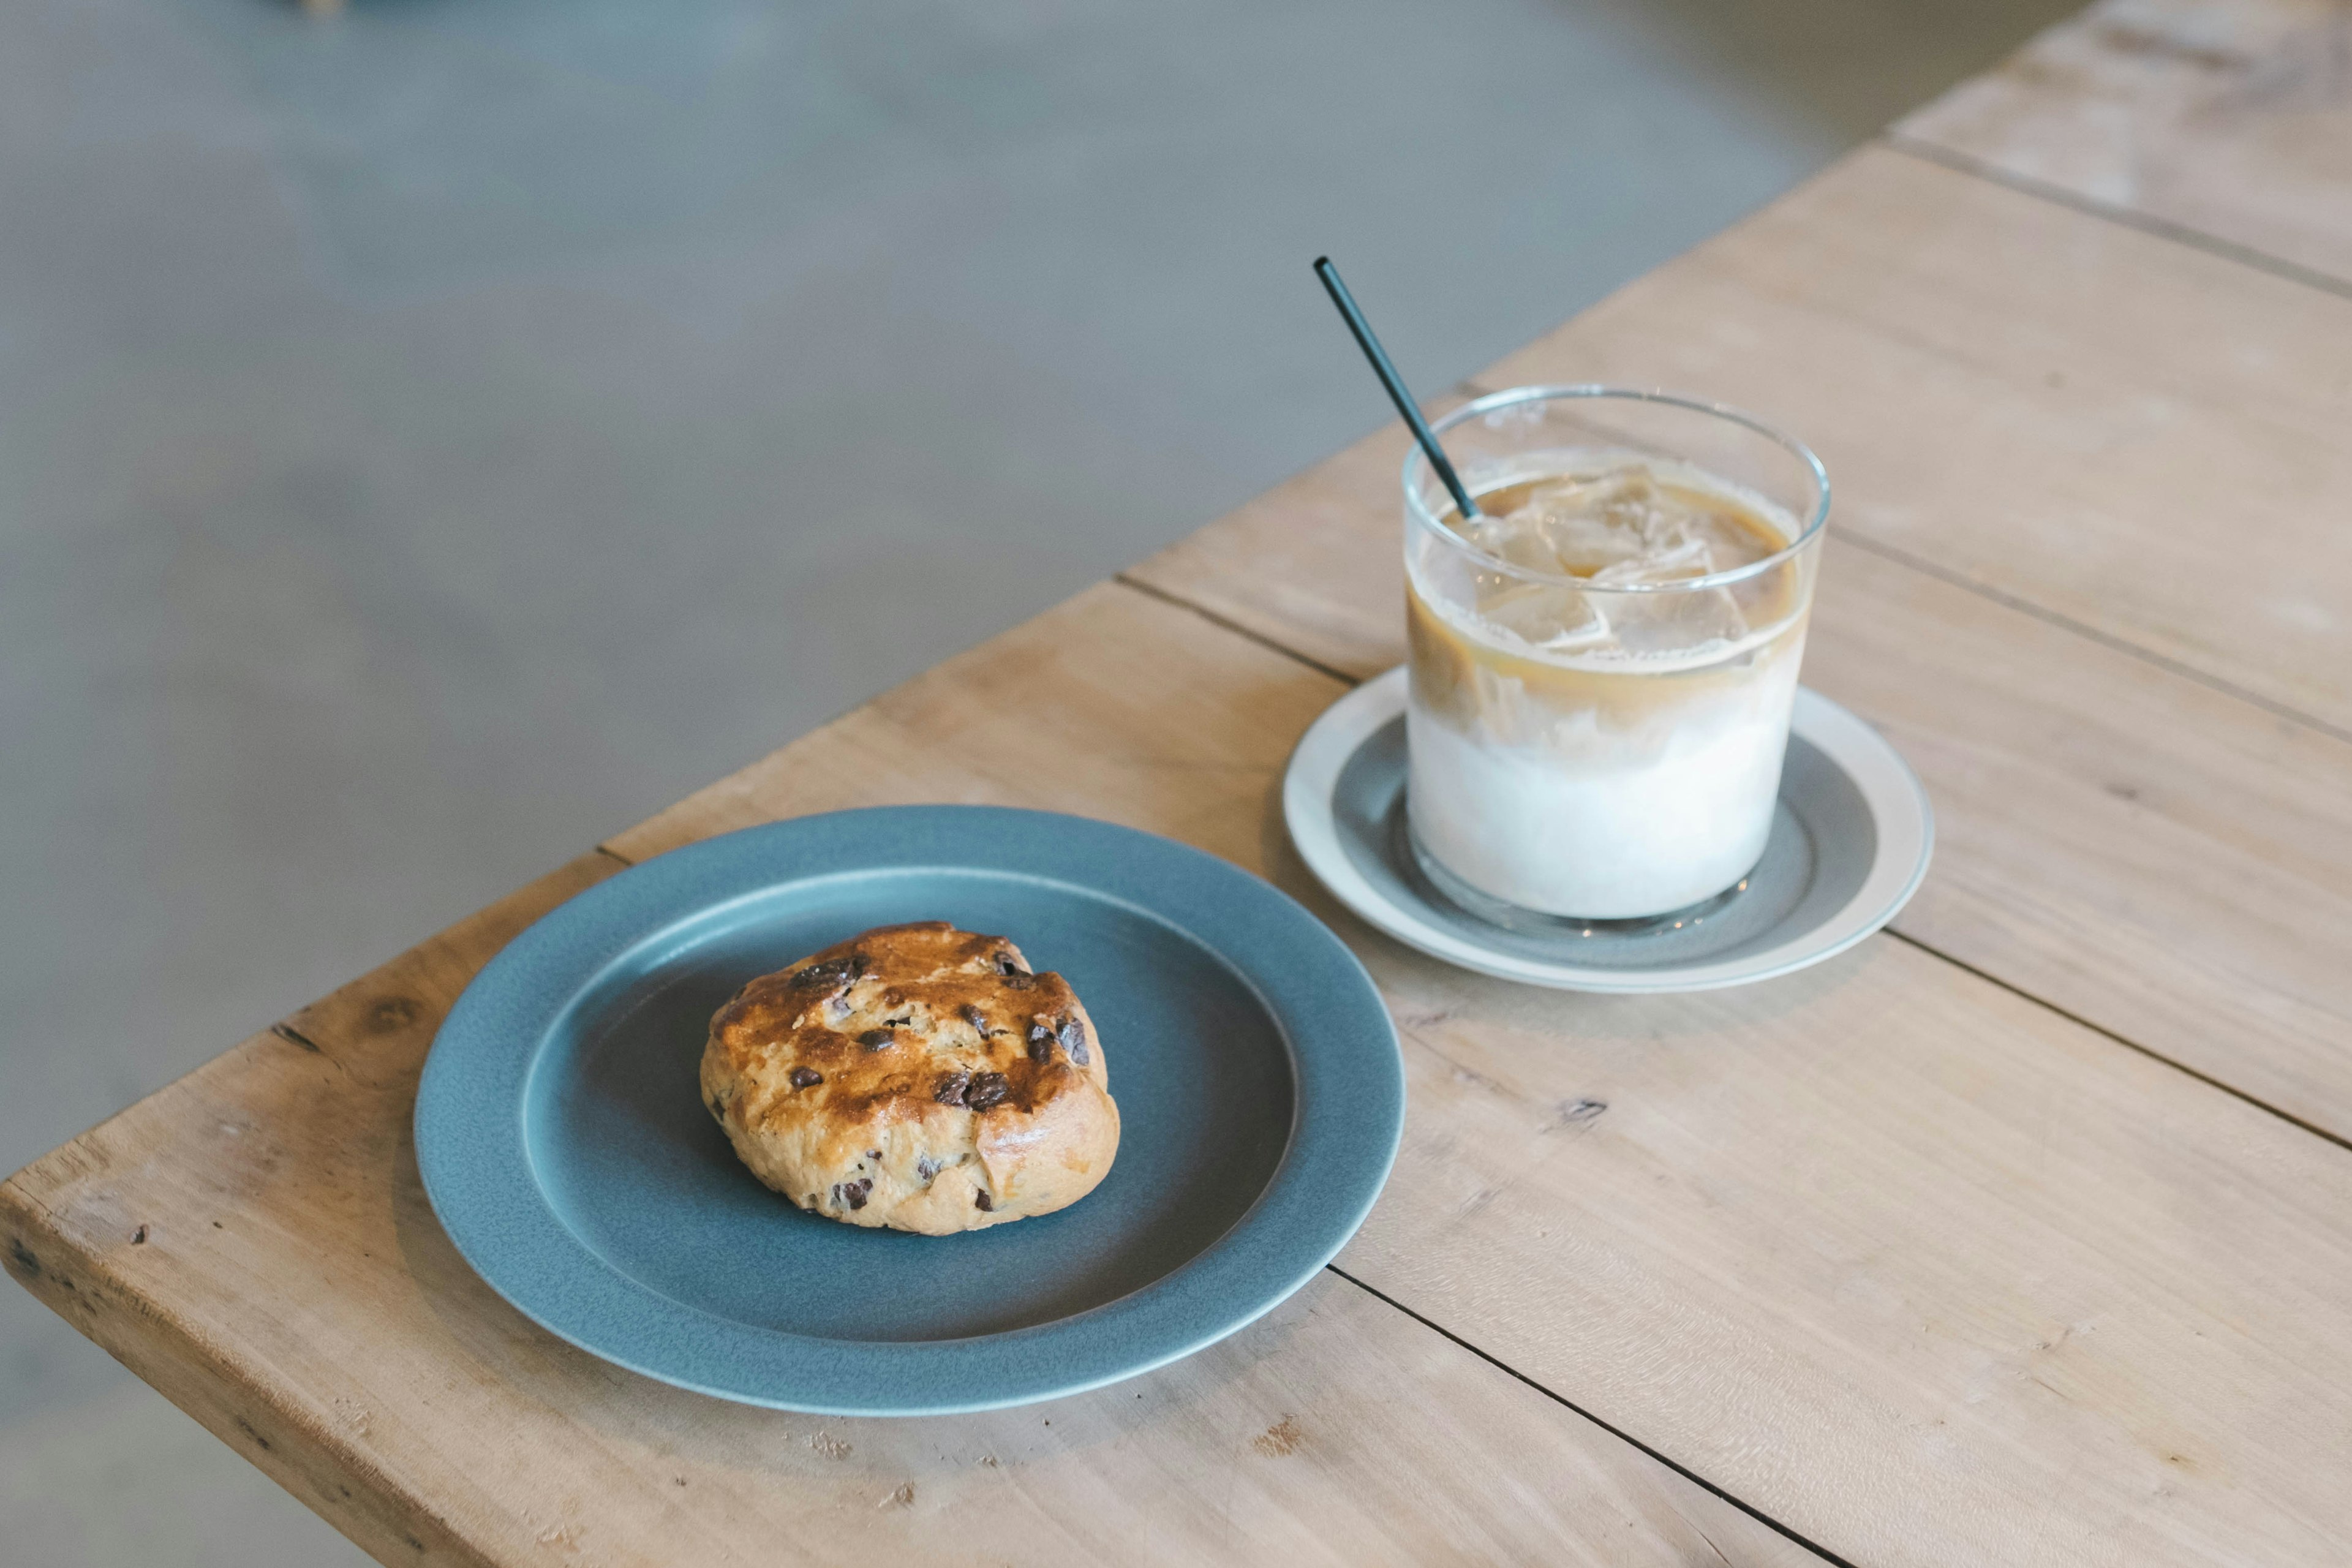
(1347, 1068)
(1898, 803)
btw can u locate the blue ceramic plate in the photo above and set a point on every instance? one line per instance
(565, 1147)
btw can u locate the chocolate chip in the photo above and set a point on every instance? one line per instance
(831, 976)
(952, 1088)
(852, 1193)
(927, 1167)
(876, 1039)
(983, 1202)
(986, 1090)
(874, 1153)
(975, 1017)
(805, 1077)
(1041, 1043)
(1073, 1040)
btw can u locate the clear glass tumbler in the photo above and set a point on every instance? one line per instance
(1604, 662)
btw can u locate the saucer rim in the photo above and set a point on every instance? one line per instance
(1896, 800)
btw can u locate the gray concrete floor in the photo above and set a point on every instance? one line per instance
(434, 437)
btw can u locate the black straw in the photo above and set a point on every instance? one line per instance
(1395, 383)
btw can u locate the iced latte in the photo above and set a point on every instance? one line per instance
(1605, 659)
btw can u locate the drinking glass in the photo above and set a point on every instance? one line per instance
(1602, 743)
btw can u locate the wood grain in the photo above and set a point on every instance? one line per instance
(1805, 1306)
(1843, 1213)
(2150, 855)
(1929, 1272)
(2137, 436)
(254, 1242)
(2146, 851)
(1812, 1231)
(2232, 118)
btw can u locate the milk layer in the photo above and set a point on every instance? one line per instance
(1555, 813)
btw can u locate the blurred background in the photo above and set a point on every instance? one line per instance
(437, 436)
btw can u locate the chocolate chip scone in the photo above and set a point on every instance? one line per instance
(917, 1077)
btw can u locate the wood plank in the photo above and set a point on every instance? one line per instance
(2232, 118)
(1929, 1272)
(2140, 437)
(254, 1240)
(2160, 859)
(2156, 856)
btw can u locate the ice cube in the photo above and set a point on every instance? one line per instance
(1585, 544)
(1671, 553)
(1732, 541)
(1513, 538)
(1593, 521)
(1624, 491)
(1547, 617)
(1674, 621)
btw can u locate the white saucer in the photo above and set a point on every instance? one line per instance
(1850, 843)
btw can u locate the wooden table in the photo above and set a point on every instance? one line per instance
(2021, 1235)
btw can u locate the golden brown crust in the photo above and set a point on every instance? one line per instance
(917, 1077)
